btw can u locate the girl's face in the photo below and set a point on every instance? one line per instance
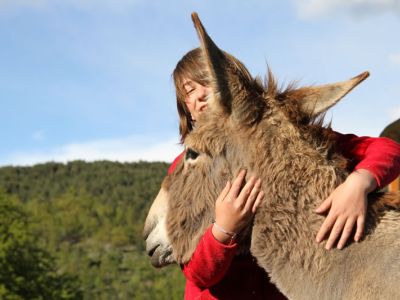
(196, 97)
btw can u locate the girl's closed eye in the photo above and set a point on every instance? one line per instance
(189, 88)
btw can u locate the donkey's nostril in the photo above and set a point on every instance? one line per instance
(152, 250)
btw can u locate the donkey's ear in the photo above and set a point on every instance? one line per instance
(217, 67)
(231, 83)
(319, 99)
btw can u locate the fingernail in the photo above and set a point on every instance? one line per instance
(242, 173)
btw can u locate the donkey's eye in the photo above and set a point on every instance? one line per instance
(191, 154)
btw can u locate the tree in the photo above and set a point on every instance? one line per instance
(26, 270)
(89, 217)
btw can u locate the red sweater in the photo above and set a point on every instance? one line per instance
(215, 272)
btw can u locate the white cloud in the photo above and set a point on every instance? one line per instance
(395, 58)
(123, 150)
(315, 8)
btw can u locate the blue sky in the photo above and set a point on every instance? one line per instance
(91, 80)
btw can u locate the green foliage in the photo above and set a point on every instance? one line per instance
(27, 270)
(89, 217)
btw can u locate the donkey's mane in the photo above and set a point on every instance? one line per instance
(313, 128)
(280, 135)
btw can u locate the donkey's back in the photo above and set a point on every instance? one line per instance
(369, 269)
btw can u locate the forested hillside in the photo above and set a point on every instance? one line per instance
(81, 225)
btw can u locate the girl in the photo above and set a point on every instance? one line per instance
(215, 271)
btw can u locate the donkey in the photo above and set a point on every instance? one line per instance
(277, 135)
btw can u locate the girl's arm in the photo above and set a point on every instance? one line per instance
(210, 261)
(211, 258)
(380, 156)
(376, 162)
(234, 209)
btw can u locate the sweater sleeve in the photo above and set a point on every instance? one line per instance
(380, 156)
(175, 162)
(210, 261)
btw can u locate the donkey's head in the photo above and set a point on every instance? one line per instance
(246, 125)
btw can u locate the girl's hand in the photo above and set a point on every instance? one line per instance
(347, 206)
(236, 206)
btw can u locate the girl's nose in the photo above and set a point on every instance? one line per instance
(202, 95)
(202, 101)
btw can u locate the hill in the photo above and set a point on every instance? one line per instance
(88, 218)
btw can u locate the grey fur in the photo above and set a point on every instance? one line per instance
(267, 132)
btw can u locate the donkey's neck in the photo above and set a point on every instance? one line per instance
(297, 176)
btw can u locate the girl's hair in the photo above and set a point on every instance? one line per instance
(193, 66)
